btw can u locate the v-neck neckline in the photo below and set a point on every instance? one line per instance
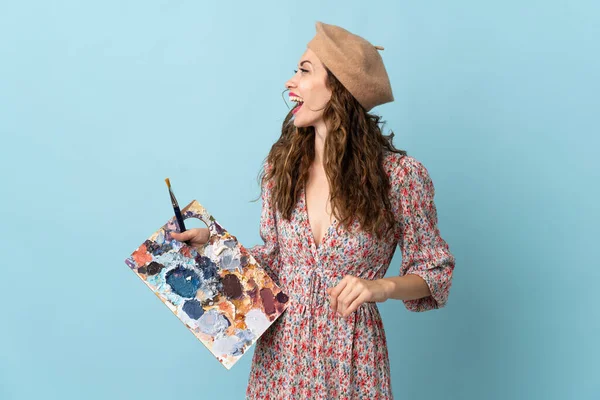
(310, 233)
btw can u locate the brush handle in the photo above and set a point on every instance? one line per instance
(179, 219)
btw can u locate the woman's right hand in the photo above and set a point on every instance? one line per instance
(195, 237)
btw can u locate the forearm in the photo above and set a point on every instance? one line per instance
(407, 287)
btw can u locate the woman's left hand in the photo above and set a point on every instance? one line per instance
(351, 292)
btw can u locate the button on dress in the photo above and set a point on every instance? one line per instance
(312, 353)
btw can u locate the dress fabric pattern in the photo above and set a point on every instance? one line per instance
(312, 353)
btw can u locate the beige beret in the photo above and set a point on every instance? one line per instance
(355, 62)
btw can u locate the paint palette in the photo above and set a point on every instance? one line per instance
(219, 292)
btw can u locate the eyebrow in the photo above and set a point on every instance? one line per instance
(305, 61)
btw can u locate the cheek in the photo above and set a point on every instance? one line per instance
(314, 94)
(306, 88)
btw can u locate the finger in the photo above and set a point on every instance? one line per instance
(355, 304)
(334, 292)
(330, 297)
(182, 236)
(342, 291)
(341, 306)
(347, 298)
(333, 302)
(337, 289)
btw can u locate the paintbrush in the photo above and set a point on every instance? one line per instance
(176, 208)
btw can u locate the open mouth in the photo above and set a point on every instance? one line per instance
(299, 102)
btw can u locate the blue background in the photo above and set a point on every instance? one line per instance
(101, 101)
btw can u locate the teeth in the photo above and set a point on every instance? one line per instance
(296, 99)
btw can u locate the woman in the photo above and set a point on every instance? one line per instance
(337, 200)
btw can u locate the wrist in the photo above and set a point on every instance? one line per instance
(387, 288)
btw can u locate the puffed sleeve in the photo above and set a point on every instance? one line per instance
(424, 252)
(267, 254)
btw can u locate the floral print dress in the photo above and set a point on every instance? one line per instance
(311, 352)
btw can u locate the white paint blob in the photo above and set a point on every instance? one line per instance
(257, 321)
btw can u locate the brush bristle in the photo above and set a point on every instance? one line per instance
(168, 183)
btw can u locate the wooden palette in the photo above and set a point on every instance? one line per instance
(219, 292)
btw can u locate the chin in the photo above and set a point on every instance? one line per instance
(299, 124)
(303, 124)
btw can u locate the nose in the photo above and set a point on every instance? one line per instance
(291, 83)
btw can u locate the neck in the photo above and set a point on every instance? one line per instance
(320, 135)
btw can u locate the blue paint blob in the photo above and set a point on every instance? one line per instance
(209, 269)
(157, 249)
(193, 309)
(183, 281)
